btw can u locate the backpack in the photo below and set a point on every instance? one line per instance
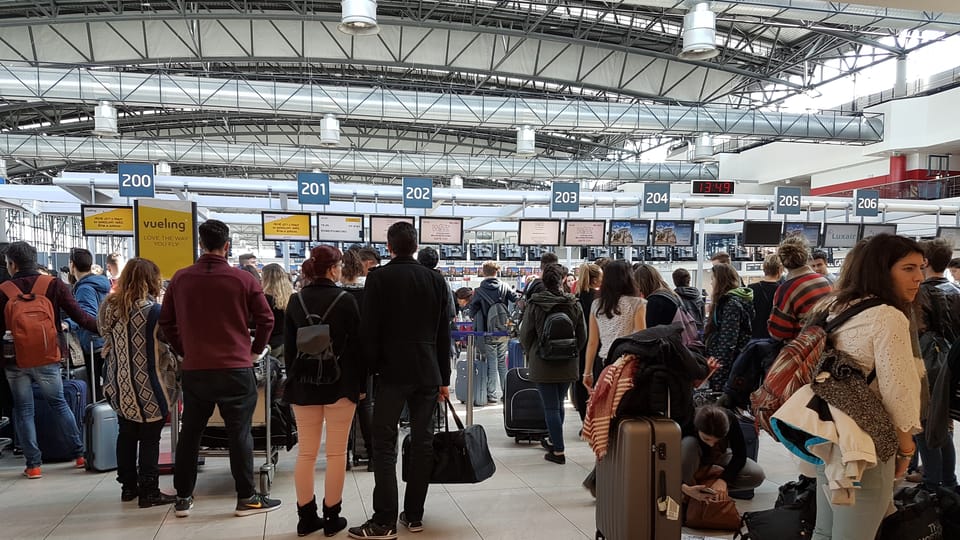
(558, 336)
(749, 368)
(31, 319)
(794, 365)
(690, 336)
(316, 362)
(497, 317)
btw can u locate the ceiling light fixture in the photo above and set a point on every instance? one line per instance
(105, 120)
(329, 131)
(358, 17)
(703, 149)
(699, 33)
(526, 141)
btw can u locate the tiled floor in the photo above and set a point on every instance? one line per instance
(527, 498)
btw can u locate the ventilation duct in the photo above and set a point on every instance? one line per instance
(329, 131)
(699, 33)
(703, 149)
(358, 17)
(3, 171)
(105, 120)
(526, 141)
(162, 169)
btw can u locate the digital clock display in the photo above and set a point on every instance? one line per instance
(712, 187)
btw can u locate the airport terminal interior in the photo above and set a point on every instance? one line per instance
(654, 131)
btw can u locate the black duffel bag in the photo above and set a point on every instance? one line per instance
(917, 517)
(459, 457)
(793, 518)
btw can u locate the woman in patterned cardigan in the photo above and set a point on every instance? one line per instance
(140, 379)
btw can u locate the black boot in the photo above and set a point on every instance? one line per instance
(309, 520)
(150, 494)
(332, 522)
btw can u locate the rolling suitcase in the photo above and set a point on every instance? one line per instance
(514, 354)
(53, 443)
(523, 407)
(101, 428)
(638, 482)
(479, 382)
(358, 449)
(752, 440)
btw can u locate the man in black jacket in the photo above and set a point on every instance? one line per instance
(406, 336)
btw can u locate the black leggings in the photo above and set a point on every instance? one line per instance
(580, 392)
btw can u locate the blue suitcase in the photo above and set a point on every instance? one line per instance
(55, 445)
(514, 354)
(479, 382)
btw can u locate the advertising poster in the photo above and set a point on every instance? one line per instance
(279, 226)
(107, 220)
(629, 232)
(672, 233)
(166, 233)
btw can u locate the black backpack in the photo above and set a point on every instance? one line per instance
(558, 336)
(316, 362)
(748, 370)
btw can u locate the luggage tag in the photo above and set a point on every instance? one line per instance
(670, 507)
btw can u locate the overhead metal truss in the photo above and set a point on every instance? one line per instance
(85, 149)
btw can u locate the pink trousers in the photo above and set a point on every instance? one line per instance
(310, 418)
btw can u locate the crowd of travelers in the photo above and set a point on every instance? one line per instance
(371, 342)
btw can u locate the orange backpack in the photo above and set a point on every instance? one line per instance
(30, 318)
(796, 364)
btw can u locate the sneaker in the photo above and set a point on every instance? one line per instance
(256, 504)
(81, 463)
(372, 530)
(182, 507)
(414, 525)
(33, 473)
(559, 459)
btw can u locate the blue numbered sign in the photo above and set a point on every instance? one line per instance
(788, 200)
(565, 197)
(866, 202)
(313, 188)
(656, 197)
(136, 179)
(417, 192)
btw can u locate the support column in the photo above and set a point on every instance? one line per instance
(3, 226)
(900, 88)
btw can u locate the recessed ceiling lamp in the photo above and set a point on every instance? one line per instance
(329, 131)
(703, 149)
(526, 141)
(699, 33)
(105, 120)
(358, 17)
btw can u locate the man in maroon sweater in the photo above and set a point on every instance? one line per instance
(204, 317)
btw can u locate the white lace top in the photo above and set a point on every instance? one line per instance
(880, 337)
(620, 325)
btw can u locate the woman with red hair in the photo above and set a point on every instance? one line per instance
(317, 398)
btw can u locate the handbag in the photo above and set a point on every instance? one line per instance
(459, 457)
(716, 516)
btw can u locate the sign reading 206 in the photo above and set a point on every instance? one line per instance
(417, 192)
(313, 188)
(136, 179)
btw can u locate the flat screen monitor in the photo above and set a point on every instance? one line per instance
(950, 234)
(533, 253)
(483, 252)
(810, 231)
(869, 230)
(510, 252)
(761, 233)
(672, 233)
(629, 232)
(280, 226)
(684, 253)
(380, 224)
(593, 253)
(441, 230)
(539, 232)
(340, 228)
(381, 249)
(659, 253)
(840, 235)
(297, 250)
(453, 253)
(584, 232)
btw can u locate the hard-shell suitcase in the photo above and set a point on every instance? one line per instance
(523, 407)
(514, 354)
(53, 443)
(638, 482)
(479, 382)
(101, 429)
(752, 440)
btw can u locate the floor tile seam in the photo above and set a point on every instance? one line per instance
(557, 510)
(464, 514)
(77, 505)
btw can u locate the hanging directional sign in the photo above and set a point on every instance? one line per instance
(417, 192)
(656, 197)
(788, 200)
(313, 188)
(565, 197)
(136, 179)
(866, 202)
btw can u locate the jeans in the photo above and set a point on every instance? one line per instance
(310, 419)
(749, 477)
(422, 402)
(234, 393)
(145, 437)
(495, 355)
(51, 388)
(859, 521)
(553, 395)
(939, 464)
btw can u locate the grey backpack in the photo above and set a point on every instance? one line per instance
(316, 362)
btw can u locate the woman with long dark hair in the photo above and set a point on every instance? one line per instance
(318, 400)
(730, 324)
(662, 302)
(140, 379)
(616, 313)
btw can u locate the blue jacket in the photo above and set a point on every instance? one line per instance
(89, 292)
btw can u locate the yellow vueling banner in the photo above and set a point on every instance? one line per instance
(107, 220)
(166, 233)
(286, 226)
